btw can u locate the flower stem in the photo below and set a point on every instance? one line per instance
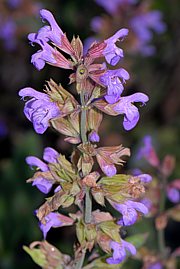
(80, 262)
(83, 119)
(161, 234)
(88, 206)
(88, 201)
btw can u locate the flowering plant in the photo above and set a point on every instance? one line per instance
(157, 192)
(76, 181)
(136, 15)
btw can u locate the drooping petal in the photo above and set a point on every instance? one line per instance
(129, 214)
(138, 206)
(52, 220)
(55, 34)
(111, 52)
(30, 92)
(129, 247)
(42, 184)
(119, 251)
(34, 161)
(131, 114)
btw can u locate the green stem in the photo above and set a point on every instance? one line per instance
(88, 201)
(161, 234)
(79, 264)
(83, 119)
(88, 206)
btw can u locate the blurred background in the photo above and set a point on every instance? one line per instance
(152, 58)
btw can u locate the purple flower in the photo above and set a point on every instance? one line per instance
(52, 32)
(156, 265)
(147, 202)
(145, 178)
(173, 190)
(119, 251)
(8, 34)
(111, 52)
(52, 220)
(128, 211)
(94, 137)
(147, 151)
(96, 24)
(14, 3)
(143, 25)
(111, 6)
(131, 114)
(50, 155)
(39, 109)
(34, 161)
(39, 58)
(173, 194)
(111, 79)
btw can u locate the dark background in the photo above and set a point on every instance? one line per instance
(158, 76)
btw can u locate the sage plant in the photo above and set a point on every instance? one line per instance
(91, 171)
(157, 192)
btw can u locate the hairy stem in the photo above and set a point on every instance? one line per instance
(80, 262)
(83, 119)
(88, 201)
(88, 208)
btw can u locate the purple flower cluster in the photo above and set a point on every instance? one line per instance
(50, 155)
(8, 33)
(142, 25)
(39, 109)
(111, 6)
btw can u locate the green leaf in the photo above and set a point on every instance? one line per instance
(138, 240)
(115, 180)
(37, 256)
(111, 229)
(80, 232)
(98, 197)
